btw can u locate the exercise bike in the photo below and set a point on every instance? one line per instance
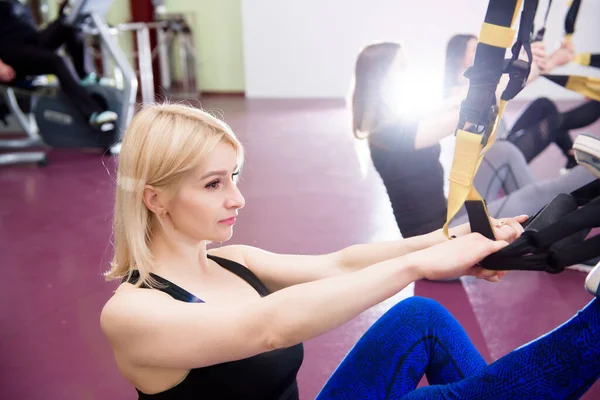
(48, 117)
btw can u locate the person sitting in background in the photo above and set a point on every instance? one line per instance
(29, 51)
(405, 150)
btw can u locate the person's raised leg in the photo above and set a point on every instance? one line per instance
(562, 364)
(539, 126)
(57, 34)
(414, 338)
(31, 60)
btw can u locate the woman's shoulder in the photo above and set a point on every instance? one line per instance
(127, 303)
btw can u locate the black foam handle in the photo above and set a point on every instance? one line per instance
(478, 219)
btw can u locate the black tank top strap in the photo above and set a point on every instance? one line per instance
(181, 294)
(243, 273)
(168, 287)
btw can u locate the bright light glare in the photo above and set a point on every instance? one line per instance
(413, 95)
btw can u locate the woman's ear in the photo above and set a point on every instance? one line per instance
(153, 200)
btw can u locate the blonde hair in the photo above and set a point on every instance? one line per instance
(162, 143)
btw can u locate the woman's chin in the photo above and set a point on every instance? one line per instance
(224, 235)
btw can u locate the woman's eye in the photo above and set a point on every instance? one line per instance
(217, 182)
(213, 184)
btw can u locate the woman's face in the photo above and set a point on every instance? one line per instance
(207, 203)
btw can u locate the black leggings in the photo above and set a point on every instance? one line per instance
(39, 57)
(541, 124)
(581, 116)
(537, 127)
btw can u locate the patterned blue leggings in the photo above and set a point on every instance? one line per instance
(418, 336)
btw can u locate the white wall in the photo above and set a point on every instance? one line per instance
(307, 48)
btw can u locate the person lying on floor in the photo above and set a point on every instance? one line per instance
(229, 323)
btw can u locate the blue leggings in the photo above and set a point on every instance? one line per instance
(418, 336)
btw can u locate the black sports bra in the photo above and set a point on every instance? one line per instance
(270, 375)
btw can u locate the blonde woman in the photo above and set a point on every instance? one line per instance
(188, 323)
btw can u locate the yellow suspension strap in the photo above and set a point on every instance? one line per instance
(588, 59)
(480, 110)
(539, 36)
(586, 86)
(585, 59)
(571, 18)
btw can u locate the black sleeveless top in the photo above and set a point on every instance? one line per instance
(267, 376)
(413, 178)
